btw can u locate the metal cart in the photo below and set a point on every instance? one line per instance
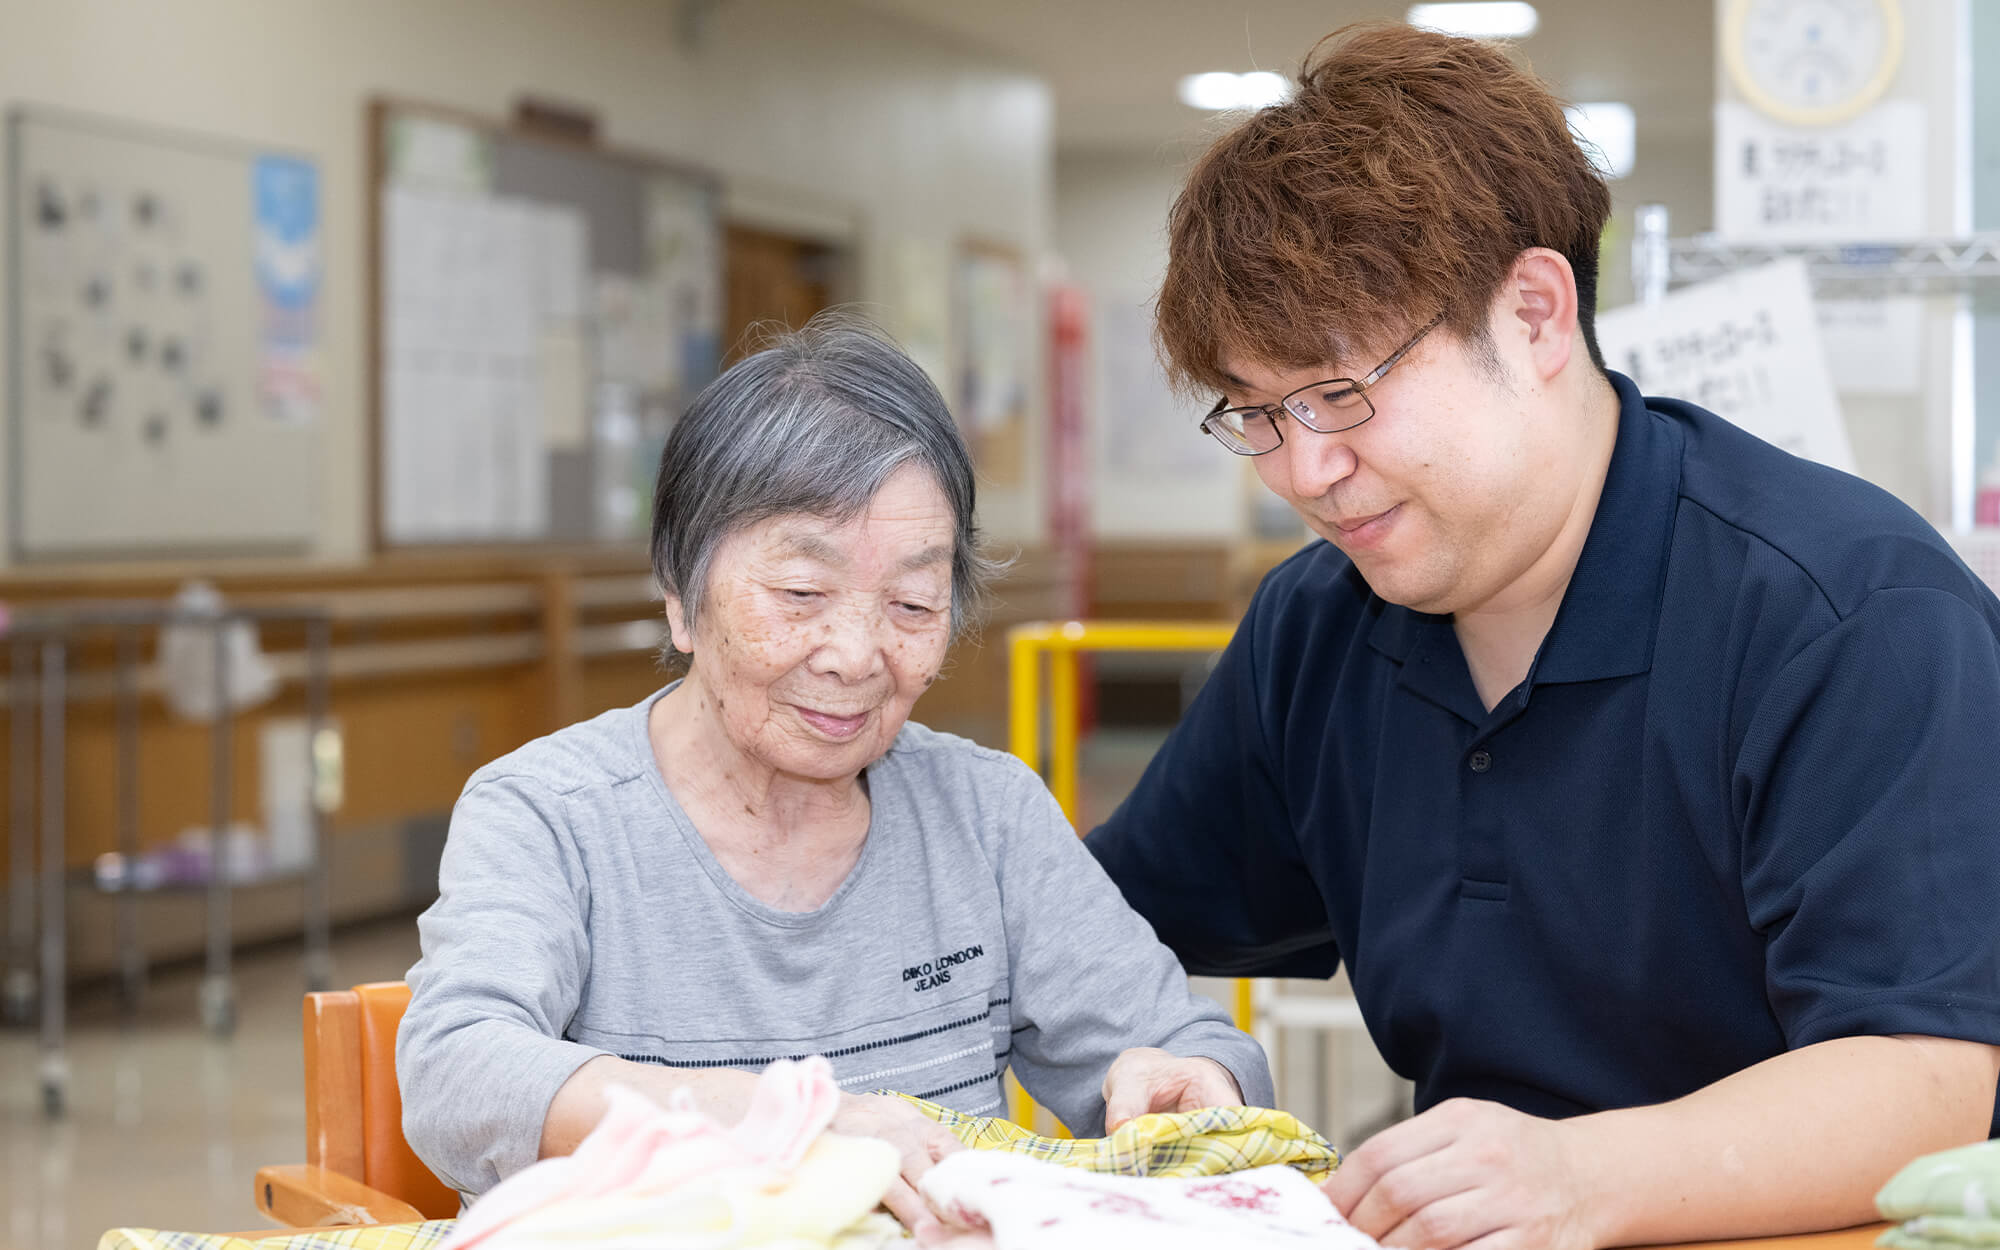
(42, 645)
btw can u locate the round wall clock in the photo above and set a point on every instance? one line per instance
(1813, 62)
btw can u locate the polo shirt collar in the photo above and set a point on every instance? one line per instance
(1610, 613)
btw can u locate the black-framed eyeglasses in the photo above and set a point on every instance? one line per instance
(1327, 407)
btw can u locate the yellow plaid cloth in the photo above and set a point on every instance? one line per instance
(375, 1237)
(1208, 1142)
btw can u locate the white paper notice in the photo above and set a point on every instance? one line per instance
(1862, 181)
(475, 285)
(1746, 347)
(635, 332)
(565, 258)
(1146, 429)
(563, 382)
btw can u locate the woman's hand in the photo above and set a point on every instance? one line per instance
(920, 1140)
(1146, 1079)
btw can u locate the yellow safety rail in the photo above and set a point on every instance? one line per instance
(1061, 642)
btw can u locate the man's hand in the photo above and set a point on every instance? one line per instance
(920, 1140)
(1146, 1079)
(1467, 1173)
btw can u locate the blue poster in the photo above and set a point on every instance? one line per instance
(289, 266)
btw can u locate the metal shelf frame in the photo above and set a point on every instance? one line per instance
(1951, 267)
(42, 646)
(1936, 266)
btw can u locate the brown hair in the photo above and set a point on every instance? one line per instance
(1400, 182)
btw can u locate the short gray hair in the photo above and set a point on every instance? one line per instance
(814, 423)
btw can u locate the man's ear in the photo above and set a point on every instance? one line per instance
(1538, 304)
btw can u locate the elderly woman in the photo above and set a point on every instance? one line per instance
(768, 858)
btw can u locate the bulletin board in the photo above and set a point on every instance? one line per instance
(544, 310)
(163, 341)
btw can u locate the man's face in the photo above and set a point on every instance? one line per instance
(1455, 488)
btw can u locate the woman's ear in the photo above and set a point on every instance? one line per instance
(677, 625)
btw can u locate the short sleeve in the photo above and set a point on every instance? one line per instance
(1088, 979)
(480, 1053)
(1868, 790)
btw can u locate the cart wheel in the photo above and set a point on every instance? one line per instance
(55, 1084)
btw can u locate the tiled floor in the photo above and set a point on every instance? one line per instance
(166, 1126)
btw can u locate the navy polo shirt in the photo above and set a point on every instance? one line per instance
(1747, 799)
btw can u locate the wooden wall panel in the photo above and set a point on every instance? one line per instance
(412, 738)
(410, 744)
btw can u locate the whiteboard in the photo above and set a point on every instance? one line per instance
(162, 341)
(544, 310)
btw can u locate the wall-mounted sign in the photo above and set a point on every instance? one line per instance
(1859, 181)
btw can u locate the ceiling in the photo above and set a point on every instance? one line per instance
(1114, 64)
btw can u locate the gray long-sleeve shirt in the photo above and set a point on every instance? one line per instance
(581, 914)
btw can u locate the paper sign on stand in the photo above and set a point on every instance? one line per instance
(1747, 348)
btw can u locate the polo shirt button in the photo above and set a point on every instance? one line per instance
(1480, 761)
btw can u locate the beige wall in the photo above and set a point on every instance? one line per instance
(1110, 231)
(1673, 168)
(807, 110)
(1917, 445)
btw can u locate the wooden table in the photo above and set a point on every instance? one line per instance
(1862, 1238)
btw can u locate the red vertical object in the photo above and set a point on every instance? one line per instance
(1069, 465)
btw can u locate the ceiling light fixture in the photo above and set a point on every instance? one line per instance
(1487, 19)
(1608, 132)
(1220, 89)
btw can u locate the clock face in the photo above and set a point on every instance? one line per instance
(1814, 62)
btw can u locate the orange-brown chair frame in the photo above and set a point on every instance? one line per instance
(358, 1168)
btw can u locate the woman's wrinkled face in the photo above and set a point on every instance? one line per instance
(817, 636)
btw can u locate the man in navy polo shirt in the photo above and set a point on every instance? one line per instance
(1646, 778)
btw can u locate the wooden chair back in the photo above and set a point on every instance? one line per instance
(354, 1108)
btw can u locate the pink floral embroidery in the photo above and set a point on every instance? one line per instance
(1233, 1195)
(1124, 1204)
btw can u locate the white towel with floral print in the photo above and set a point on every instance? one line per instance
(1028, 1204)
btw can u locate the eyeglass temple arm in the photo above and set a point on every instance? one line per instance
(1376, 375)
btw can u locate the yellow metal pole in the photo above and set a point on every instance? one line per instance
(1024, 735)
(1026, 643)
(1063, 730)
(1024, 693)
(1140, 635)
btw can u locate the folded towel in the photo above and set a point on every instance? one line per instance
(1946, 1200)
